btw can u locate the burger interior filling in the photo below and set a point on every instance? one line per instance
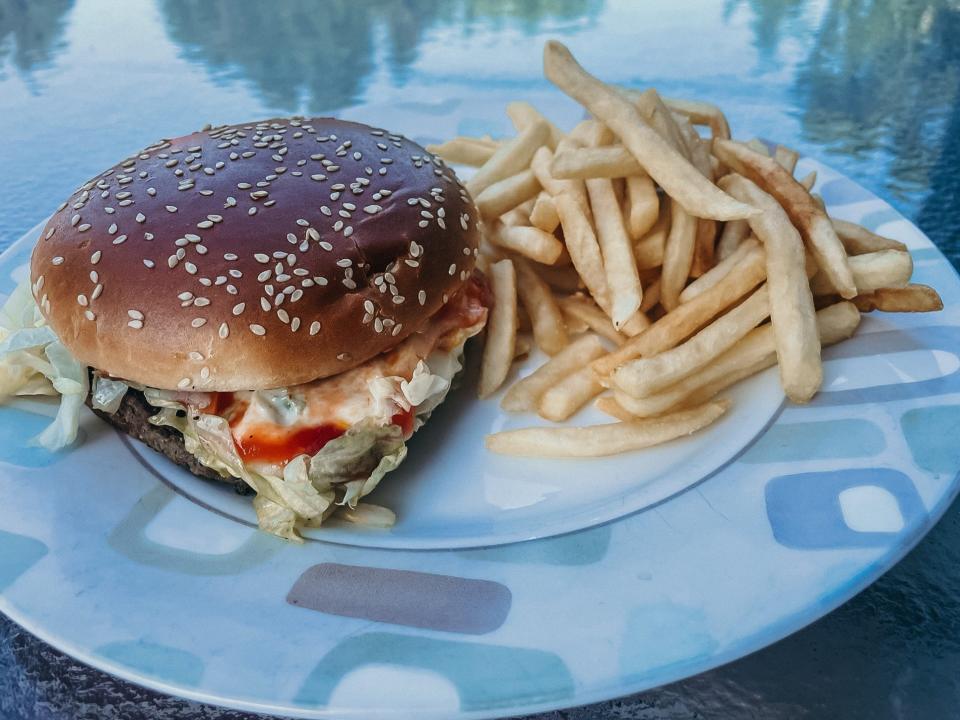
(307, 450)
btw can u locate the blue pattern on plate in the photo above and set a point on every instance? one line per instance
(485, 676)
(156, 660)
(791, 442)
(18, 553)
(805, 512)
(17, 430)
(938, 452)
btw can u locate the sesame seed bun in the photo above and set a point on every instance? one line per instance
(254, 256)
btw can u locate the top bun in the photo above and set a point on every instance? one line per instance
(255, 256)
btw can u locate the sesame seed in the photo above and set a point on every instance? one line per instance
(89, 315)
(190, 267)
(238, 308)
(326, 246)
(82, 300)
(202, 301)
(258, 329)
(348, 231)
(423, 223)
(262, 258)
(194, 355)
(291, 238)
(149, 263)
(94, 276)
(422, 297)
(198, 322)
(135, 314)
(135, 324)
(252, 211)
(201, 249)
(205, 224)
(265, 304)
(372, 209)
(224, 331)
(57, 260)
(229, 256)
(120, 239)
(184, 383)
(204, 373)
(314, 327)
(141, 218)
(84, 227)
(265, 275)
(96, 291)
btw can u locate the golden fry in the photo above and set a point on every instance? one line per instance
(806, 214)
(610, 439)
(670, 169)
(500, 346)
(524, 394)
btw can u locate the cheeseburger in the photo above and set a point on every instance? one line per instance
(278, 305)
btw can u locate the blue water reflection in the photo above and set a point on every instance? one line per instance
(869, 86)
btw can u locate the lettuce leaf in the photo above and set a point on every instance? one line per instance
(34, 362)
(107, 394)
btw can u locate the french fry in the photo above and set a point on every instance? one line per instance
(718, 271)
(734, 233)
(912, 298)
(528, 241)
(564, 279)
(636, 324)
(756, 352)
(584, 310)
(523, 115)
(522, 347)
(656, 114)
(613, 161)
(549, 330)
(500, 345)
(758, 146)
(526, 393)
(809, 180)
(858, 240)
(651, 296)
(515, 218)
(590, 133)
(645, 376)
(791, 302)
(506, 194)
(584, 250)
(648, 250)
(676, 326)
(510, 158)
(871, 271)
(704, 247)
(669, 168)
(544, 214)
(609, 405)
(465, 151)
(643, 205)
(701, 113)
(542, 160)
(786, 157)
(618, 260)
(610, 439)
(677, 255)
(569, 395)
(806, 214)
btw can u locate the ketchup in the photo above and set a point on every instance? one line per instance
(281, 448)
(404, 419)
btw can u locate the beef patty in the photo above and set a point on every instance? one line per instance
(133, 418)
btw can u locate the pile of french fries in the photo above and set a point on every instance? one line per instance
(657, 267)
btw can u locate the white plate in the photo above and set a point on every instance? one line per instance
(651, 566)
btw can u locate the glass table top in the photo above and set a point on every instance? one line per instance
(870, 87)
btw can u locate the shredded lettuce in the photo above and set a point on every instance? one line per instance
(34, 362)
(107, 394)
